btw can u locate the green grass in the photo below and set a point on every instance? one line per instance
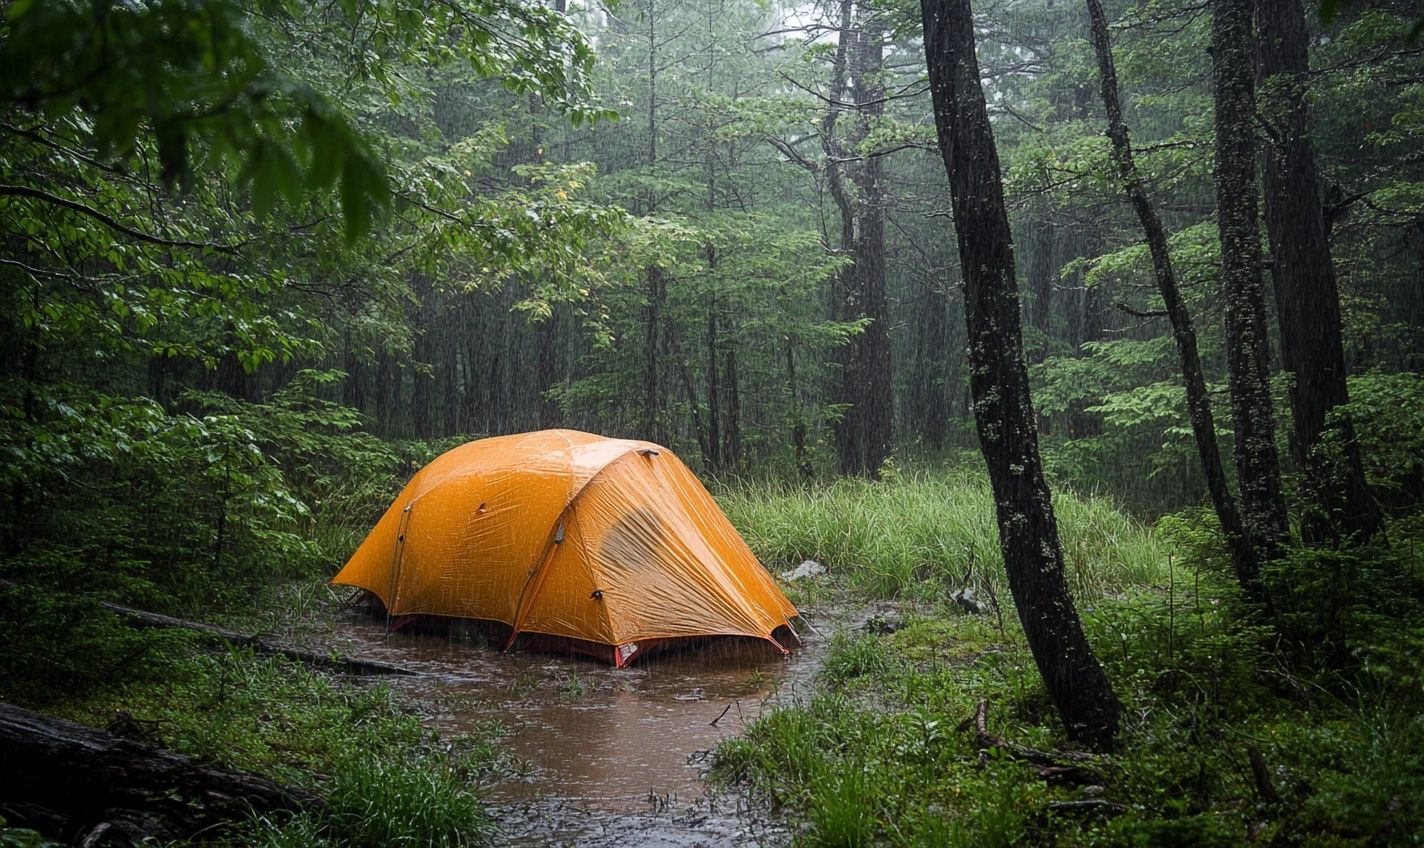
(920, 536)
(881, 752)
(383, 778)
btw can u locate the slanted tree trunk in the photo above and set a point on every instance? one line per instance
(1263, 507)
(1307, 303)
(1028, 531)
(1198, 403)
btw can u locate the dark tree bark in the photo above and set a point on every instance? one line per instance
(387, 376)
(1307, 303)
(798, 423)
(94, 788)
(549, 334)
(929, 408)
(713, 454)
(1198, 403)
(449, 372)
(1088, 326)
(1263, 508)
(864, 433)
(1028, 531)
(423, 358)
(732, 431)
(652, 394)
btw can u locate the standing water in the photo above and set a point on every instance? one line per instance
(604, 756)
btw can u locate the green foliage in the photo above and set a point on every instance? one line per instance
(56, 645)
(1357, 608)
(383, 778)
(1387, 414)
(206, 76)
(212, 90)
(386, 800)
(20, 837)
(259, 479)
(924, 536)
(849, 657)
(889, 756)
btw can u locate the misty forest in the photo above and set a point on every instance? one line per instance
(1061, 361)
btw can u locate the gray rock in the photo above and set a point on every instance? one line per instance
(808, 568)
(968, 600)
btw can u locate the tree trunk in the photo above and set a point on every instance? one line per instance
(548, 333)
(1263, 507)
(732, 429)
(799, 452)
(1198, 403)
(423, 359)
(714, 376)
(650, 353)
(928, 402)
(864, 433)
(1307, 303)
(1003, 411)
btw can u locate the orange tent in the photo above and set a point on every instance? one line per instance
(612, 544)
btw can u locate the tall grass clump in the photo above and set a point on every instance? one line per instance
(371, 802)
(921, 535)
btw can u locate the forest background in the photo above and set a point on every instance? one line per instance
(262, 262)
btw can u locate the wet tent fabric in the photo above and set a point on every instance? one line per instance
(611, 542)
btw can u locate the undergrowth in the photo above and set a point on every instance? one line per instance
(383, 778)
(886, 754)
(920, 536)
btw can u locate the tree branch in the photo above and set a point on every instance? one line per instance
(111, 223)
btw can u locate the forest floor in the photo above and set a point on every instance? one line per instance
(906, 721)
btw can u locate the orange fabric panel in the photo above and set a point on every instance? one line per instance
(561, 600)
(643, 551)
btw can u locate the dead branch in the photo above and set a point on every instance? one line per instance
(1061, 767)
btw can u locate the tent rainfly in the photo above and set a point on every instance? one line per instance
(610, 544)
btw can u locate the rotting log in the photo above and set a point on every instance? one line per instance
(91, 787)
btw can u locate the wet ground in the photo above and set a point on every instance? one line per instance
(600, 756)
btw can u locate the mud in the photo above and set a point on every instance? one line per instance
(599, 756)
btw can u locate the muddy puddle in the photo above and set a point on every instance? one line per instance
(601, 756)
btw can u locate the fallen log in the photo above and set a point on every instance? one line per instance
(213, 633)
(348, 665)
(91, 787)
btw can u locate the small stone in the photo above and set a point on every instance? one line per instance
(968, 601)
(807, 568)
